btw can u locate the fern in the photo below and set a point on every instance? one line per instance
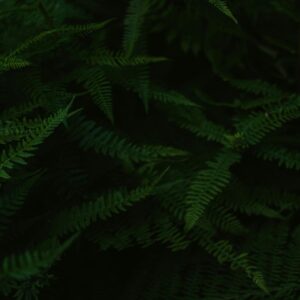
(133, 24)
(17, 155)
(171, 85)
(208, 130)
(14, 130)
(169, 97)
(91, 136)
(222, 6)
(225, 219)
(255, 127)
(157, 230)
(283, 156)
(12, 63)
(104, 57)
(115, 202)
(67, 29)
(12, 201)
(224, 252)
(257, 87)
(207, 184)
(31, 262)
(22, 109)
(99, 88)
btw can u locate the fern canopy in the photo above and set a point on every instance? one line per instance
(149, 150)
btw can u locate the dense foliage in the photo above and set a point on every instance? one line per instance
(149, 149)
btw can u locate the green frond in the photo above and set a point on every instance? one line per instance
(157, 230)
(257, 87)
(31, 262)
(15, 130)
(283, 156)
(12, 201)
(50, 97)
(266, 202)
(16, 155)
(223, 7)
(104, 207)
(168, 233)
(104, 57)
(142, 82)
(21, 109)
(261, 102)
(30, 289)
(194, 121)
(224, 252)
(256, 126)
(133, 23)
(13, 63)
(224, 219)
(91, 136)
(207, 184)
(177, 164)
(208, 130)
(11, 132)
(256, 201)
(96, 83)
(170, 97)
(66, 29)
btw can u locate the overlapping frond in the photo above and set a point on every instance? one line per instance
(17, 155)
(207, 184)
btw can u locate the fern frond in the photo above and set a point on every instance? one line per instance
(208, 130)
(207, 184)
(259, 201)
(254, 201)
(224, 252)
(13, 63)
(17, 155)
(133, 23)
(31, 262)
(255, 127)
(91, 136)
(283, 156)
(66, 29)
(223, 7)
(142, 81)
(15, 130)
(194, 121)
(261, 102)
(11, 132)
(158, 229)
(12, 201)
(21, 109)
(114, 202)
(105, 57)
(168, 233)
(99, 87)
(170, 96)
(224, 219)
(257, 87)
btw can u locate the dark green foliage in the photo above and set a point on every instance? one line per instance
(149, 149)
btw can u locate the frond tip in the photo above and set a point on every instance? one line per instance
(223, 7)
(13, 63)
(31, 262)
